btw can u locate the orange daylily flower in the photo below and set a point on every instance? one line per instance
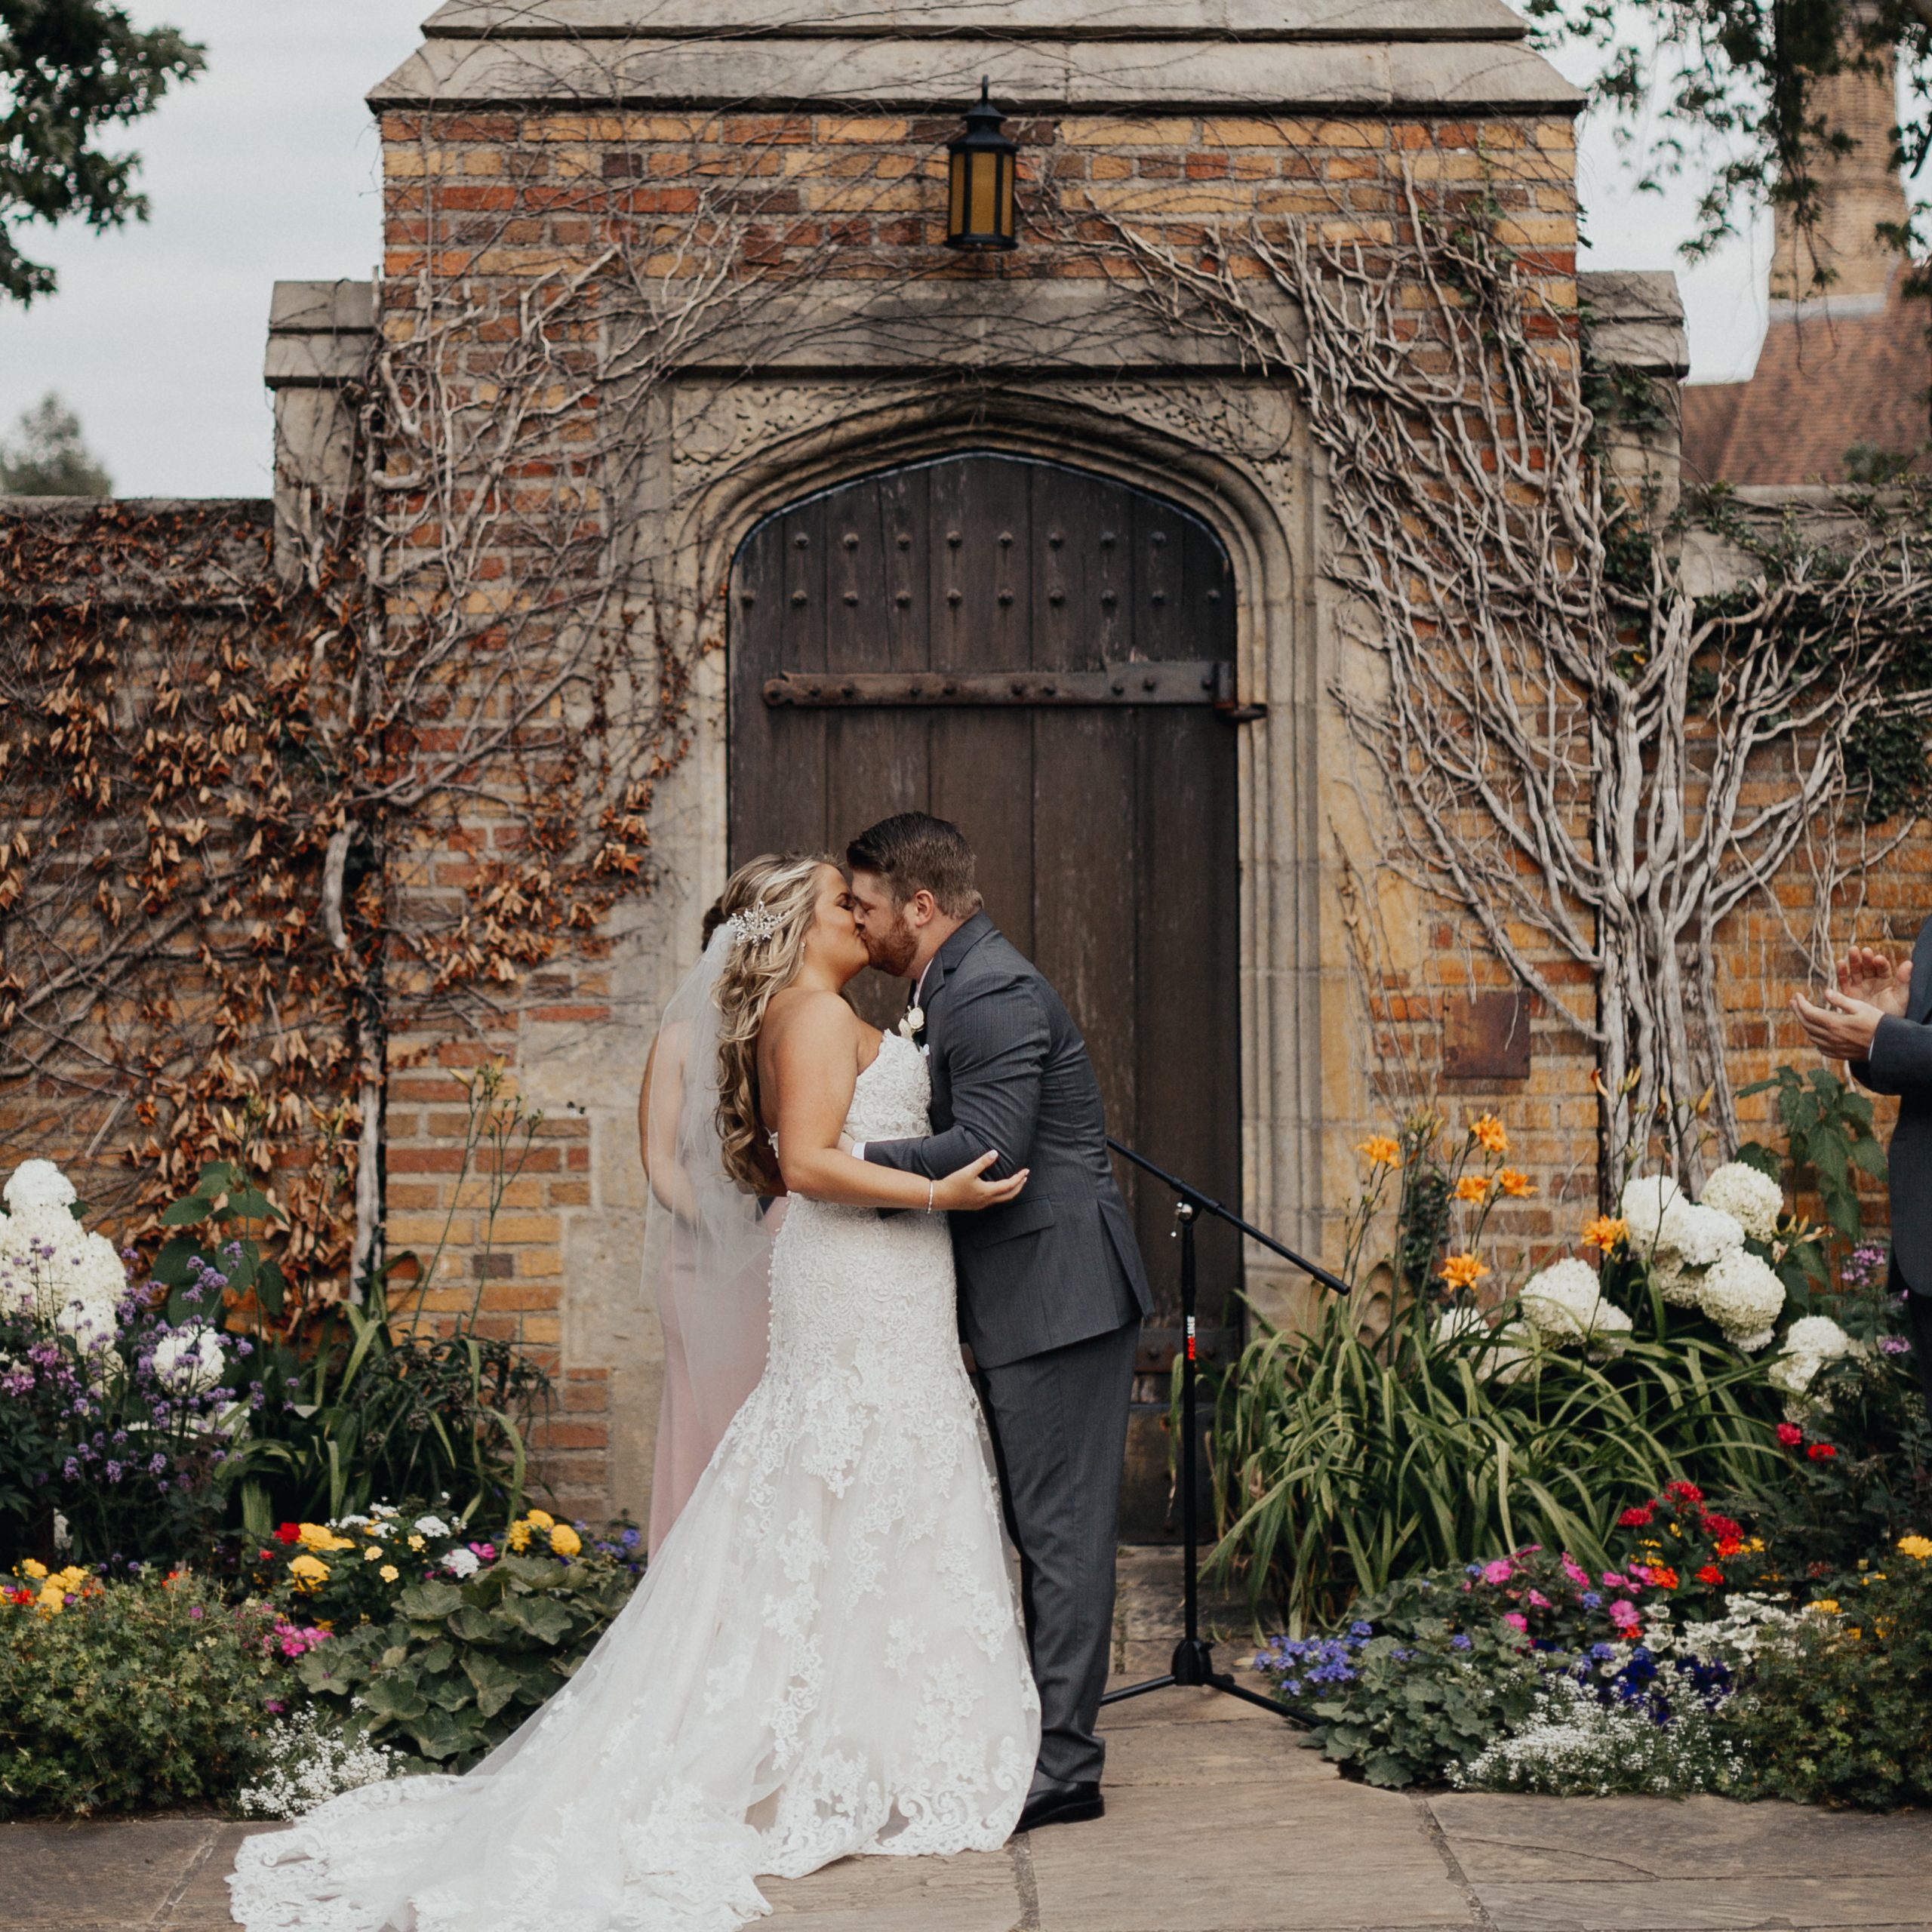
(1516, 1183)
(1606, 1232)
(1380, 1150)
(1472, 1187)
(1462, 1271)
(1490, 1134)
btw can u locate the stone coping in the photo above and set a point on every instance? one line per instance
(1039, 19)
(1027, 75)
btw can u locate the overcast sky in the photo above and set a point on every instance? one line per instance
(266, 169)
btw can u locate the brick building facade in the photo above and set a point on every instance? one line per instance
(525, 145)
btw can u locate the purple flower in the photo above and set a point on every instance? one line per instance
(1459, 1641)
(1894, 1345)
(114, 1472)
(156, 1463)
(195, 1612)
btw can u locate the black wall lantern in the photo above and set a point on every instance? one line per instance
(979, 209)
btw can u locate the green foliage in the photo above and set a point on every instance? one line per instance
(1828, 1129)
(69, 70)
(359, 1400)
(1839, 1714)
(460, 1665)
(45, 456)
(138, 1693)
(1419, 1706)
(1343, 1462)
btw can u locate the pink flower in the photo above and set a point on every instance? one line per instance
(487, 1551)
(1517, 1620)
(1538, 1600)
(1500, 1572)
(1575, 1570)
(1622, 1613)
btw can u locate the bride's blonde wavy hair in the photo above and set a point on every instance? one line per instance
(783, 889)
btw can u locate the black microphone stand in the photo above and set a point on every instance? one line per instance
(1193, 1661)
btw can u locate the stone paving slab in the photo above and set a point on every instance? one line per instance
(1217, 1821)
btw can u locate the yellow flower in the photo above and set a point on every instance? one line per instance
(518, 1535)
(34, 1568)
(1606, 1232)
(418, 1542)
(388, 1572)
(71, 1578)
(310, 1572)
(1472, 1187)
(373, 1554)
(1462, 1271)
(1823, 1606)
(1490, 1134)
(1516, 1184)
(565, 1540)
(1380, 1150)
(1918, 1546)
(541, 1518)
(319, 1535)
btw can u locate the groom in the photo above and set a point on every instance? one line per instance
(1051, 1286)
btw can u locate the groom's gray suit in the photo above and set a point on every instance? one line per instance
(1052, 1290)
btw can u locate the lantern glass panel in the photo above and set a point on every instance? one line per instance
(984, 201)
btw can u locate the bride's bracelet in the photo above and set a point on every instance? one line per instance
(932, 1188)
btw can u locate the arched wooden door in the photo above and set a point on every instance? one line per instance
(1030, 650)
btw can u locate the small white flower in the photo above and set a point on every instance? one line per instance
(1753, 1200)
(430, 1526)
(915, 1019)
(463, 1563)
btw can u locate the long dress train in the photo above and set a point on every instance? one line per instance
(825, 1659)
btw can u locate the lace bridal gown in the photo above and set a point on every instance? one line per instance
(824, 1659)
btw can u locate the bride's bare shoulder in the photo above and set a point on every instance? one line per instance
(808, 1017)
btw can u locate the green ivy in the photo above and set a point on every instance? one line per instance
(1828, 1128)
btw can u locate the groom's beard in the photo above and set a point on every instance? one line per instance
(892, 950)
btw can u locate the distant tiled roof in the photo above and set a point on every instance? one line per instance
(1830, 375)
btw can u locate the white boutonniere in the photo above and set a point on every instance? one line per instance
(914, 1023)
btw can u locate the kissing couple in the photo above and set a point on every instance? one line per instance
(826, 1656)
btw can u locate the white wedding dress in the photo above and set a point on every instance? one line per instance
(824, 1659)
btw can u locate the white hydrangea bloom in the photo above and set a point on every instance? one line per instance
(52, 1268)
(1564, 1303)
(1809, 1343)
(1698, 1236)
(1753, 1200)
(464, 1564)
(190, 1361)
(38, 1184)
(1646, 1199)
(1743, 1296)
(1675, 1282)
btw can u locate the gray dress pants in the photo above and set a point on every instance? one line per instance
(1059, 1425)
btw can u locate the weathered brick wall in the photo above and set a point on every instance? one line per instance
(487, 200)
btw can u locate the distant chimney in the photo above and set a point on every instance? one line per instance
(1857, 191)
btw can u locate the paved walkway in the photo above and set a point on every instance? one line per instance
(1216, 1822)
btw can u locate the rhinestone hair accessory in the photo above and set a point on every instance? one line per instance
(759, 923)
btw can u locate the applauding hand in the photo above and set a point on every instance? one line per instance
(1870, 988)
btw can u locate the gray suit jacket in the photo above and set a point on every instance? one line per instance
(1059, 1263)
(1901, 1063)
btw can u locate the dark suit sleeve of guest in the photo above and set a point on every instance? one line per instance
(1900, 1061)
(997, 1051)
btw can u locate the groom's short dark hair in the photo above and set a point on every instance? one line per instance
(912, 849)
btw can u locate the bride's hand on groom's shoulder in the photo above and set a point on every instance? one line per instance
(963, 1190)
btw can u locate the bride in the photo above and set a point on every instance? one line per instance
(825, 1656)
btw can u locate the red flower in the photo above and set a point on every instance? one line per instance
(289, 1533)
(1820, 1452)
(266, 1555)
(1729, 1546)
(1661, 1577)
(1636, 1516)
(1790, 1435)
(1710, 1573)
(1722, 1527)
(1683, 1492)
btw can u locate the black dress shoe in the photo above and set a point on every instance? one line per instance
(1057, 1803)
